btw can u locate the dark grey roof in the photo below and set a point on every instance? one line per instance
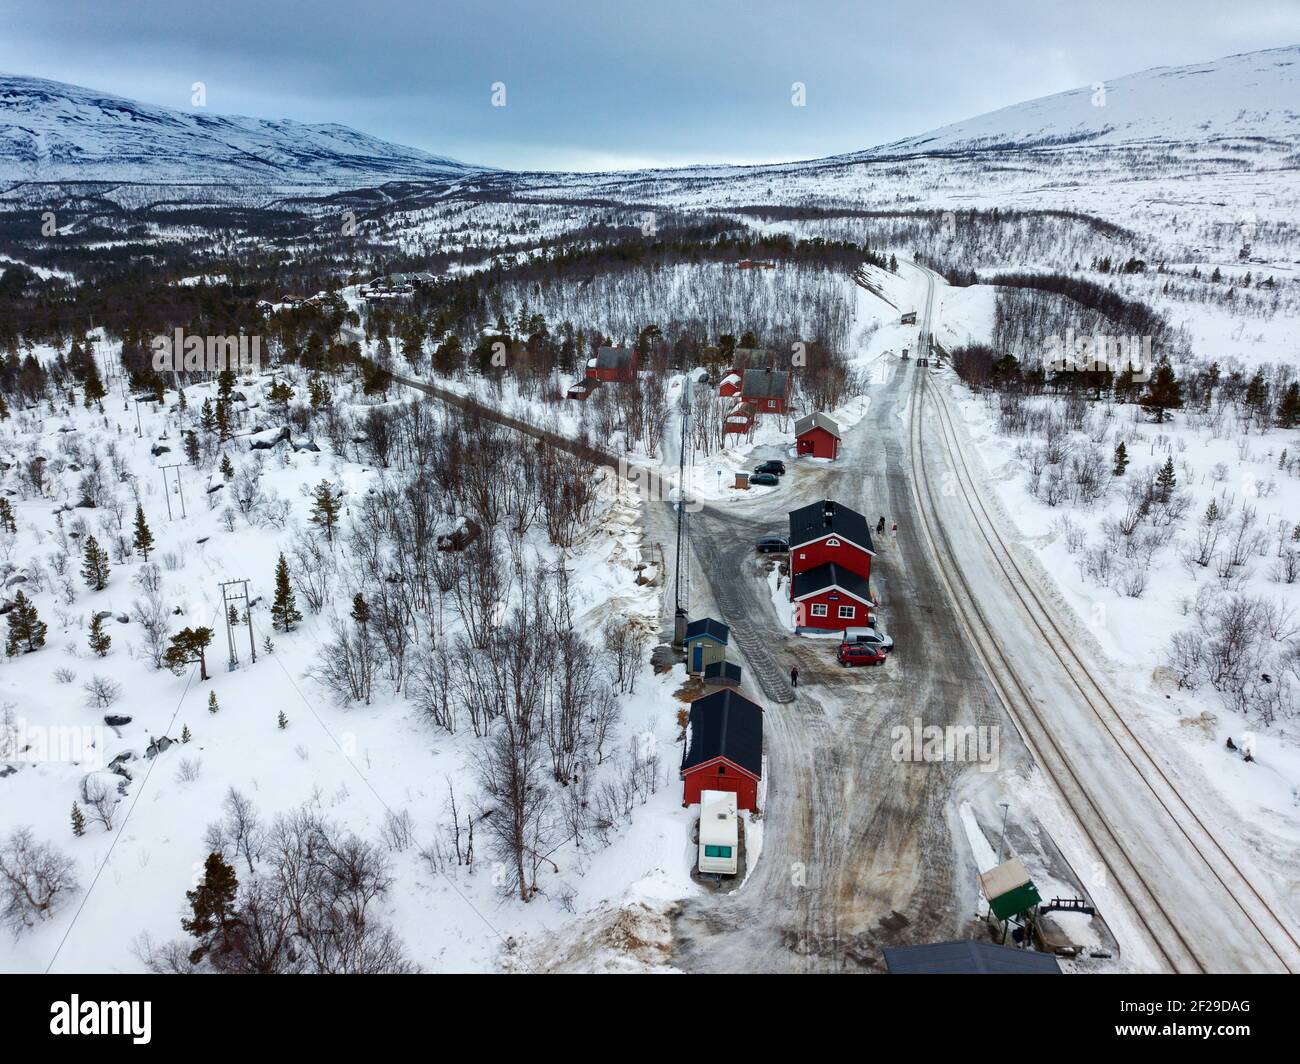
(968, 958)
(810, 581)
(825, 518)
(707, 626)
(726, 724)
(614, 357)
(816, 420)
(722, 670)
(764, 383)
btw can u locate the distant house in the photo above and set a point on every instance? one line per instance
(613, 364)
(817, 435)
(582, 389)
(828, 531)
(724, 748)
(730, 385)
(752, 264)
(967, 958)
(706, 643)
(740, 419)
(908, 319)
(831, 598)
(766, 390)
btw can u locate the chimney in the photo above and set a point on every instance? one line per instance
(828, 512)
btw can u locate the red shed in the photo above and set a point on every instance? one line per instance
(613, 364)
(730, 385)
(829, 532)
(817, 435)
(724, 748)
(830, 598)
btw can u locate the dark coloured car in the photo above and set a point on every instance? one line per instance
(772, 545)
(851, 654)
(766, 479)
(772, 465)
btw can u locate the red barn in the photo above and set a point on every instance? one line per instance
(730, 385)
(766, 390)
(829, 533)
(724, 748)
(817, 435)
(830, 598)
(613, 364)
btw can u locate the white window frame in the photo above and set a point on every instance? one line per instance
(847, 613)
(832, 542)
(819, 609)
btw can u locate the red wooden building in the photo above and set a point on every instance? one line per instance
(767, 390)
(830, 598)
(829, 533)
(817, 435)
(730, 385)
(613, 364)
(724, 748)
(740, 419)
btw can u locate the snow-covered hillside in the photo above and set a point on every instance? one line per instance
(51, 131)
(1256, 95)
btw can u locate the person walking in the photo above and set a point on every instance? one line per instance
(794, 675)
(880, 525)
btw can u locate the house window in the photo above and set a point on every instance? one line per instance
(717, 851)
(802, 555)
(832, 542)
(847, 613)
(819, 609)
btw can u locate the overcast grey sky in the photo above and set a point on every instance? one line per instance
(593, 85)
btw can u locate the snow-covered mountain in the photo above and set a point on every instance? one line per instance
(1255, 94)
(51, 131)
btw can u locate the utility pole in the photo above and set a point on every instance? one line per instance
(179, 490)
(681, 614)
(228, 599)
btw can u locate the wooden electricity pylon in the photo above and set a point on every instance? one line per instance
(228, 599)
(167, 494)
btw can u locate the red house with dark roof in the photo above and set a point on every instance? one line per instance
(613, 364)
(830, 598)
(817, 435)
(829, 532)
(766, 390)
(724, 748)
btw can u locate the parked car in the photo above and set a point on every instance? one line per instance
(871, 636)
(772, 465)
(767, 479)
(852, 654)
(772, 545)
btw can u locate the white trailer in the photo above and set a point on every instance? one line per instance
(719, 833)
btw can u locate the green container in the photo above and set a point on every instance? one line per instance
(1015, 901)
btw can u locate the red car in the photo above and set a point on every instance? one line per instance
(850, 654)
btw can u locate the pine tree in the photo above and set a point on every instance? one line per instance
(207, 417)
(100, 640)
(1288, 411)
(280, 395)
(360, 609)
(26, 629)
(267, 646)
(94, 565)
(193, 452)
(284, 610)
(227, 467)
(143, 537)
(1211, 514)
(187, 647)
(283, 721)
(1121, 458)
(7, 521)
(94, 386)
(1166, 481)
(1164, 392)
(325, 508)
(212, 702)
(212, 905)
(232, 616)
(78, 820)
(223, 420)
(185, 733)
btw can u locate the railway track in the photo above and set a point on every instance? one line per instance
(1144, 899)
